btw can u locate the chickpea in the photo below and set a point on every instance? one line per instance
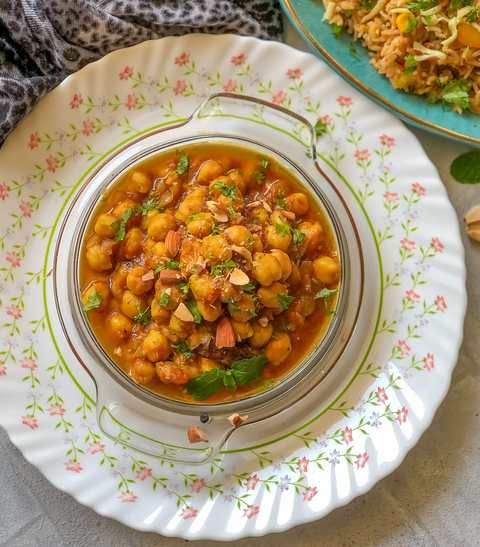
(192, 203)
(142, 371)
(243, 309)
(209, 170)
(258, 215)
(160, 225)
(159, 249)
(155, 346)
(228, 291)
(190, 253)
(277, 218)
(207, 364)
(278, 236)
(242, 330)
(98, 259)
(180, 329)
(239, 235)
(118, 281)
(135, 283)
(278, 349)
(269, 296)
(139, 182)
(326, 270)
(168, 373)
(210, 312)
(201, 224)
(121, 207)
(132, 244)
(146, 219)
(261, 335)
(237, 178)
(104, 225)
(119, 325)
(284, 261)
(266, 269)
(160, 314)
(257, 246)
(313, 234)
(131, 304)
(175, 295)
(97, 290)
(216, 248)
(298, 203)
(204, 287)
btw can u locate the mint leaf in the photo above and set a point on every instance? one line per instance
(93, 302)
(466, 168)
(246, 370)
(183, 163)
(207, 384)
(325, 293)
(456, 93)
(197, 316)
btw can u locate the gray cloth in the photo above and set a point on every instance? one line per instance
(43, 41)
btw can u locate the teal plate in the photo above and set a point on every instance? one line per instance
(351, 60)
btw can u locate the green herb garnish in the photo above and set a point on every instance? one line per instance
(466, 168)
(93, 302)
(411, 26)
(143, 317)
(249, 287)
(183, 287)
(228, 190)
(164, 298)
(297, 236)
(473, 15)
(285, 300)
(240, 373)
(169, 264)
(325, 293)
(183, 348)
(220, 269)
(197, 316)
(260, 174)
(410, 65)
(421, 5)
(147, 206)
(282, 229)
(456, 93)
(182, 165)
(336, 29)
(120, 225)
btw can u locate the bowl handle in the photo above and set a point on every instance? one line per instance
(287, 124)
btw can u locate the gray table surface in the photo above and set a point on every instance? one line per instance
(432, 499)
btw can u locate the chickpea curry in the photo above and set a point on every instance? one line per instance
(208, 273)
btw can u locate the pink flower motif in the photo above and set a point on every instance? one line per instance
(407, 244)
(56, 410)
(327, 120)
(33, 141)
(361, 460)
(251, 511)
(239, 59)
(279, 97)
(402, 415)
(76, 101)
(30, 422)
(3, 370)
(198, 485)
(189, 513)
(52, 164)
(440, 303)
(29, 363)
(25, 209)
(179, 87)
(390, 196)
(437, 244)
(131, 101)
(429, 361)
(144, 473)
(14, 259)
(87, 127)
(14, 311)
(252, 482)
(4, 190)
(387, 141)
(73, 466)
(294, 73)
(95, 448)
(229, 86)
(362, 155)
(182, 59)
(412, 295)
(347, 434)
(310, 493)
(128, 497)
(125, 73)
(403, 347)
(303, 464)
(381, 394)
(418, 189)
(344, 101)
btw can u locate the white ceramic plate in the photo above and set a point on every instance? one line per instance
(395, 385)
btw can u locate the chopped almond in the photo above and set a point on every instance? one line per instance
(196, 435)
(183, 313)
(236, 420)
(218, 213)
(263, 321)
(170, 276)
(242, 251)
(238, 277)
(173, 241)
(288, 214)
(149, 276)
(225, 336)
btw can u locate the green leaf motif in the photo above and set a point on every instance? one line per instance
(466, 168)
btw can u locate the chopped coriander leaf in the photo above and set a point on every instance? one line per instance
(192, 306)
(473, 15)
(233, 307)
(93, 302)
(456, 93)
(410, 64)
(336, 29)
(264, 163)
(143, 317)
(282, 229)
(229, 190)
(183, 287)
(326, 293)
(216, 230)
(281, 201)
(182, 165)
(220, 269)
(147, 206)
(297, 236)
(164, 298)
(411, 26)
(183, 348)
(168, 265)
(120, 225)
(260, 174)
(285, 300)
(249, 287)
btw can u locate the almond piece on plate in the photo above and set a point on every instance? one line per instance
(196, 435)
(173, 241)
(219, 214)
(236, 420)
(149, 276)
(225, 335)
(242, 251)
(183, 313)
(170, 276)
(238, 277)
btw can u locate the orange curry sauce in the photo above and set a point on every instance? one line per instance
(204, 256)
